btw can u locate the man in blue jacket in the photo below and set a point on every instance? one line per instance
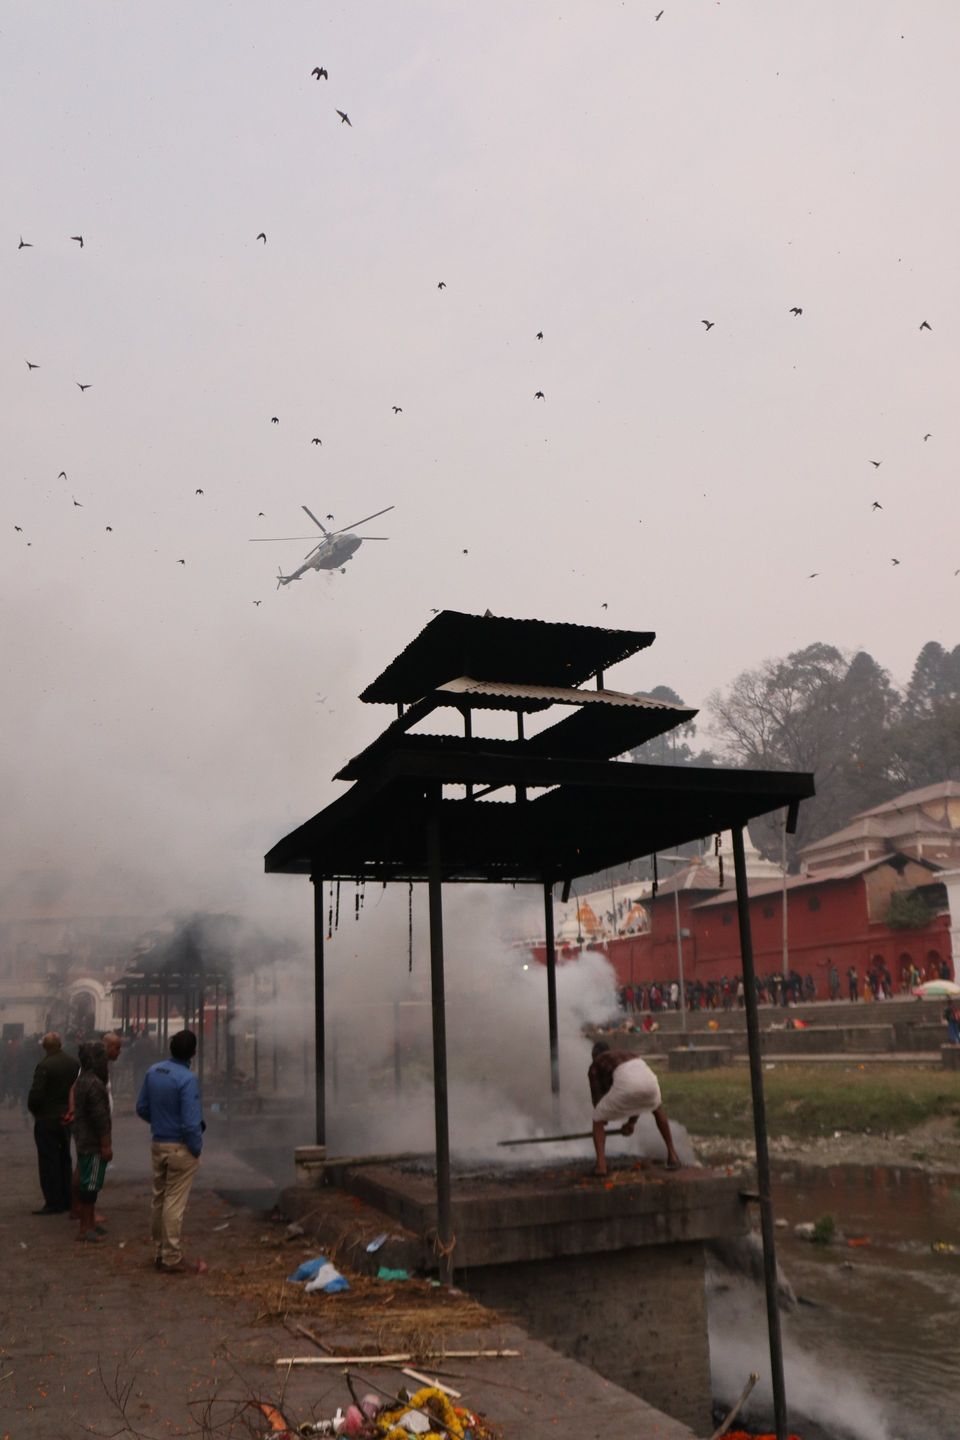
(169, 1101)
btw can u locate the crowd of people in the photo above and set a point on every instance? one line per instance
(776, 988)
(70, 1098)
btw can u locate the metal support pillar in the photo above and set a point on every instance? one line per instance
(216, 1027)
(445, 1237)
(551, 988)
(201, 1026)
(320, 1058)
(760, 1131)
(230, 1050)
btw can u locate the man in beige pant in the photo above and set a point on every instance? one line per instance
(169, 1101)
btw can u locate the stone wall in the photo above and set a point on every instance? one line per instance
(637, 1316)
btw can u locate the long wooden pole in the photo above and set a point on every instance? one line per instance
(438, 1005)
(760, 1132)
(319, 1029)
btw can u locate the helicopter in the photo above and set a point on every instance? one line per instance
(334, 550)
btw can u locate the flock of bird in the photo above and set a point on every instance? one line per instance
(320, 72)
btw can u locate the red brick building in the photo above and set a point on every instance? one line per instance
(834, 915)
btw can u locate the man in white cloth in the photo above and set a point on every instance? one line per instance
(622, 1086)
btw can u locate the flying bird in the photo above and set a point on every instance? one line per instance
(925, 325)
(198, 492)
(79, 240)
(466, 552)
(260, 514)
(442, 285)
(604, 606)
(328, 517)
(539, 395)
(19, 529)
(344, 118)
(262, 236)
(876, 464)
(316, 440)
(434, 610)
(796, 309)
(31, 366)
(813, 575)
(656, 17)
(78, 505)
(181, 562)
(274, 419)
(708, 323)
(927, 436)
(876, 505)
(25, 244)
(62, 475)
(321, 74)
(539, 334)
(109, 529)
(258, 602)
(80, 387)
(398, 409)
(894, 561)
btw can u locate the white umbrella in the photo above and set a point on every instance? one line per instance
(937, 990)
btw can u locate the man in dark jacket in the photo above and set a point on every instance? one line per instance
(93, 1135)
(49, 1103)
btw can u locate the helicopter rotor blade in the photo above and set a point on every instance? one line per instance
(365, 538)
(273, 539)
(315, 520)
(357, 522)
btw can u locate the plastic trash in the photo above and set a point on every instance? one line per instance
(414, 1422)
(376, 1242)
(328, 1279)
(319, 1275)
(385, 1273)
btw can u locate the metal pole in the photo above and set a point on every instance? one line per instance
(445, 1239)
(783, 901)
(275, 1054)
(230, 1049)
(551, 988)
(201, 1025)
(760, 1132)
(397, 1065)
(320, 1058)
(683, 987)
(256, 1035)
(216, 1027)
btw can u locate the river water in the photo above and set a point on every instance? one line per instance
(872, 1352)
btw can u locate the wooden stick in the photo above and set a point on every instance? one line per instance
(431, 1380)
(398, 1359)
(320, 1344)
(722, 1430)
(549, 1139)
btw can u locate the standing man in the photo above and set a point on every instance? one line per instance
(621, 1087)
(169, 1101)
(92, 1130)
(49, 1104)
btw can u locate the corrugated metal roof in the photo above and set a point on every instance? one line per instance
(501, 648)
(544, 695)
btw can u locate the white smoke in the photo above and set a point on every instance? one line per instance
(826, 1395)
(379, 1024)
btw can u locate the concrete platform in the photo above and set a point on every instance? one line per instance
(540, 1214)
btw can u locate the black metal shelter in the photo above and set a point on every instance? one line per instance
(540, 809)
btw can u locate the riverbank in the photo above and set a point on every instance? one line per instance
(862, 1113)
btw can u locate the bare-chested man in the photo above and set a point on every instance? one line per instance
(622, 1086)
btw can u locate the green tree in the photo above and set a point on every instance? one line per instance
(816, 710)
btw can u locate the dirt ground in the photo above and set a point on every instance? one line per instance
(93, 1341)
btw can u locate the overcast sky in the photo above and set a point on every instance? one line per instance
(576, 168)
